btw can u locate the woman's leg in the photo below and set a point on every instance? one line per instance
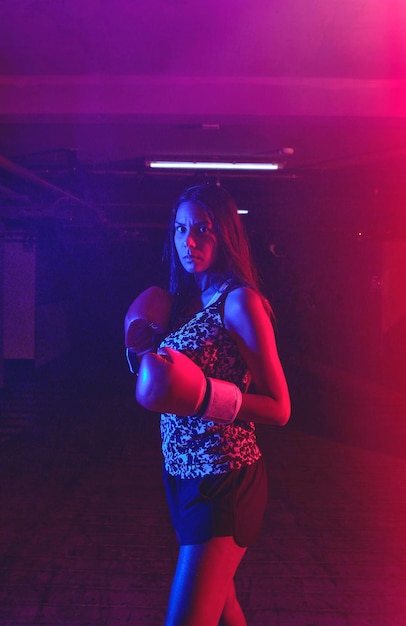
(232, 614)
(203, 584)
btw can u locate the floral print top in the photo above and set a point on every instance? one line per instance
(191, 446)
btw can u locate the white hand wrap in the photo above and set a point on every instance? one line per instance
(222, 402)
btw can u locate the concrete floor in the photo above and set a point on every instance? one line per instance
(85, 538)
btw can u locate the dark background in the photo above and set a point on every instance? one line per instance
(90, 92)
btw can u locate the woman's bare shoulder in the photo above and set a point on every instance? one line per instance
(243, 302)
(244, 296)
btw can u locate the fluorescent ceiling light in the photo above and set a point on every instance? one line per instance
(212, 165)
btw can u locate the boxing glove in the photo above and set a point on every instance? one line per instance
(170, 382)
(147, 317)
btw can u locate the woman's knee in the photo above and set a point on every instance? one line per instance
(202, 581)
(232, 614)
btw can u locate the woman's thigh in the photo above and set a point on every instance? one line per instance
(203, 576)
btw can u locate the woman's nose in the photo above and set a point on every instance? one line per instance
(189, 241)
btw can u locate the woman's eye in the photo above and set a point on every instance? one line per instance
(203, 229)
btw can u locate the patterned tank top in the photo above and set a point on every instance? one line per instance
(191, 446)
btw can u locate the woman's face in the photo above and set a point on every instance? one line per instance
(195, 239)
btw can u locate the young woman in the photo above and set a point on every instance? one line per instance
(215, 374)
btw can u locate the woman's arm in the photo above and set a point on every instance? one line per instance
(248, 323)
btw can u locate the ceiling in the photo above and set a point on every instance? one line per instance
(103, 85)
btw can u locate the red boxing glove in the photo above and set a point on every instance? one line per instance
(147, 317)
(170, 382)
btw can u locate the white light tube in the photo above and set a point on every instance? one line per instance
(210, 165)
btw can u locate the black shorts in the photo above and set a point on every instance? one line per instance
(222, 505)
